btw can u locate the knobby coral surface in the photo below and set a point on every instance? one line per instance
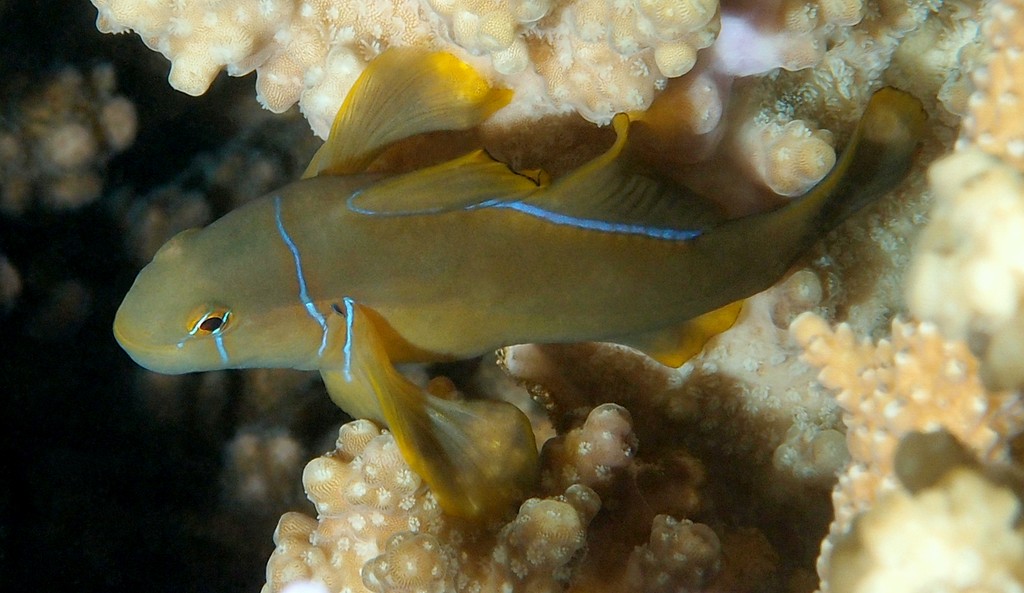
(914, 381)
(729, 460)
(56, 140)
(954, 525)
(968, 274)
(798, 72)
(380, 529)
(962, 534)
(594, 56)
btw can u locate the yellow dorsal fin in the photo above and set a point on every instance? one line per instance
(464, 182)
(675, 345)
(404, 92)
(612, 192)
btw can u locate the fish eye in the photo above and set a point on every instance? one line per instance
(210, 322)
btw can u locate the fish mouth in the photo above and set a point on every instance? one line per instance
(152, 357)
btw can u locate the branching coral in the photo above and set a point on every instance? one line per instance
(55, 142)
(379, 525)
(595, 56)
(592, 57)
(694, 434)
(917, 381)
(789, 157)
(747, 415)
(681, 556)
(995, 122)
(828, 92)
(968, 273)
(955, 526)
(379, 528)
(957, 536)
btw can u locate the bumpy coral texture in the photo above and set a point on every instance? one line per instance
(683, 444)
(995, 122)
(969, 273)
(960, 535)
(915, 381)
(380, 529)
(55, 142)
(595, 56)
(794, 111)
(748, 410)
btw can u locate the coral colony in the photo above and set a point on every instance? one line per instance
(715, 476)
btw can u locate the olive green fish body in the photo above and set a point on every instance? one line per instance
(348, 273)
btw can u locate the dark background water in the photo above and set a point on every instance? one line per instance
(94, 494)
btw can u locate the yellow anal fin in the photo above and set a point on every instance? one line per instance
(675, 345)
(401, 93)
(478, 457)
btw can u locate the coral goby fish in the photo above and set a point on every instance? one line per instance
(349, 273)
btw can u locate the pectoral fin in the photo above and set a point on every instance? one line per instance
(478, 457)
(675, 345)
(404, 92)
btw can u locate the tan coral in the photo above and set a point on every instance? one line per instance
(674, 29)
(593, 453)
(312, 52)
(364, 493)
(380, 529)
(539, 546)
(413, 562)
(917, 381)
(646, 470)
(995, 122)
(933, 62)
(961, 535)
(788, 157)
(968, 273)
(493, 28)
(681, 555)
(830, 92)
(56, 141)
(750, 389)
